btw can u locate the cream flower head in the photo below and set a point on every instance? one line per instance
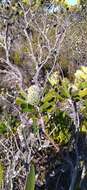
(34, 94)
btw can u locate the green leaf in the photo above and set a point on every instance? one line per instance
(1, 175)
(83, 85)
(30, 183)
(47, 106)
(27, 107)
(35, 127)
(25, 2)
(84, 129)
(64, 92)
(85, 103)
(23, 94)
(83, 93)
(50, 95)
(20, 101)
(3, 128)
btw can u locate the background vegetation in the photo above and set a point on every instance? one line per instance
(43, 95)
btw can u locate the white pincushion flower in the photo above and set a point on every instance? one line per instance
(34, 94)
(54, 78)
(81, 75)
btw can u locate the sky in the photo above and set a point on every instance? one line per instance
(72, 2)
